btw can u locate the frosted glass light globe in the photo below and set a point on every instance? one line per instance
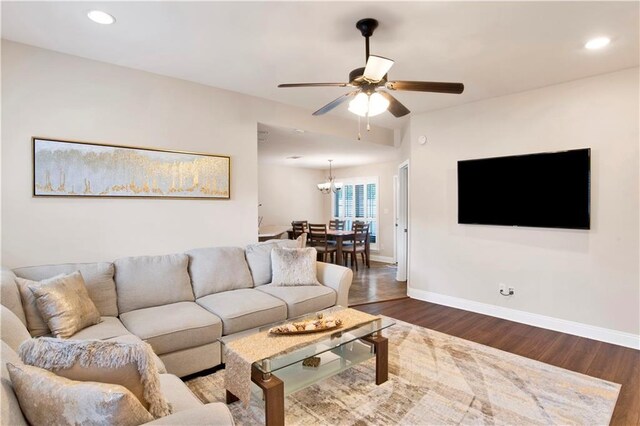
(375, 104)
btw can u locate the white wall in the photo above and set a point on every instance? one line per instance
(589, 277)
(290, 193)
(53, 95)
(386, 225)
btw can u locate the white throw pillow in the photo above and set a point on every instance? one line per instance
(293, 267)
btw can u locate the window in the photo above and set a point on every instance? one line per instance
(358, 200)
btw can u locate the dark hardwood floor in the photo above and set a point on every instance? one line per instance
(586, 356)
(375, 284)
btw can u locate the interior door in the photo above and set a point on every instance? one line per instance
(402, 222)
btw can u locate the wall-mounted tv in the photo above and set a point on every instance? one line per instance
(548, 190)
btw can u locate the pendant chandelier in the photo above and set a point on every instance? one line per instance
(330, 185)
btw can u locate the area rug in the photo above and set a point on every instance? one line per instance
(437, 379)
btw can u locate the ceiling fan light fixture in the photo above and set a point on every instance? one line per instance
(368, 105)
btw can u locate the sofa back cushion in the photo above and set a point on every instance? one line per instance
(259, 258)
(12, 330)
(10, 295)
(98, 278)
(11, 414)
(147, 281)
(218, 269)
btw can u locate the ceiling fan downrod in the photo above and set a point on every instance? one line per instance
(367, 26)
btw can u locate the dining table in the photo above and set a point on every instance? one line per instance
(339, 237)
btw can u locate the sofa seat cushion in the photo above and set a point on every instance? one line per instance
(109, 327)
(244, 309)
(214, 413)
(218, 269)
(302, 300)
(173, 327)
(177, 394)
(98, 278)
(146, 281)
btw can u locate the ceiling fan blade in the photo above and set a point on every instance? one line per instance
(334, 103)
(377, 67)
(426, 86)
(314, 85)
(395, 107)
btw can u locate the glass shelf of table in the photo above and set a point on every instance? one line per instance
(332, 361)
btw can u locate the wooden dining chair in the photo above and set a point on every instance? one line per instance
(357, 222)
(358, 245)
(336, 224)
(299, 227)
(319, 240)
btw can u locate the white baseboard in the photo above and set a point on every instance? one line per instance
(383, 259)
(556, 324)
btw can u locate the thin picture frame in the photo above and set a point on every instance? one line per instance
(68, 168)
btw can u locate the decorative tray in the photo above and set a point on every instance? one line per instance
(308, 326)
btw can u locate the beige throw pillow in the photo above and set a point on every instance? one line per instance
(46, 398)
(131, 365)
(64, 304)
(36, 325)
(293, 267)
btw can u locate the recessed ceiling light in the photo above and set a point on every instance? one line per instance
(298, 130)
(597, 43)
(101, 17)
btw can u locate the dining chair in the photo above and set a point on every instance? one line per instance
(357, 222)
(319, 240)
(336, 224)
(299, 227)
(358, 245)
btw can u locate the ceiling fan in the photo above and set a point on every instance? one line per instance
(369, 98)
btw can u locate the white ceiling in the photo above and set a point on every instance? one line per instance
(494, 48)
(275, 144)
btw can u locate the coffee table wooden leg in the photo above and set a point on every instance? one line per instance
(381, 347)
(273, 389)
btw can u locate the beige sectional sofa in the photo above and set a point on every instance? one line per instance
(181, 304)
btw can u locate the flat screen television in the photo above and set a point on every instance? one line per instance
(547, 190)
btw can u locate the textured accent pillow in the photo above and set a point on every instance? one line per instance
(293, 267)
(46, 398)
(36, 325)
(259, 257)
(64, 304)
(131, 365)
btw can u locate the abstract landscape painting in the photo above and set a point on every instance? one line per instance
(78, 169)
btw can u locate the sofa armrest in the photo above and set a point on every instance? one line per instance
(214, 414)
(338, 278)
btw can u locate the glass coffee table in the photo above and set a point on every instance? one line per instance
(285, 373)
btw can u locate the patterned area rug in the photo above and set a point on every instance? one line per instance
(438, 379)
